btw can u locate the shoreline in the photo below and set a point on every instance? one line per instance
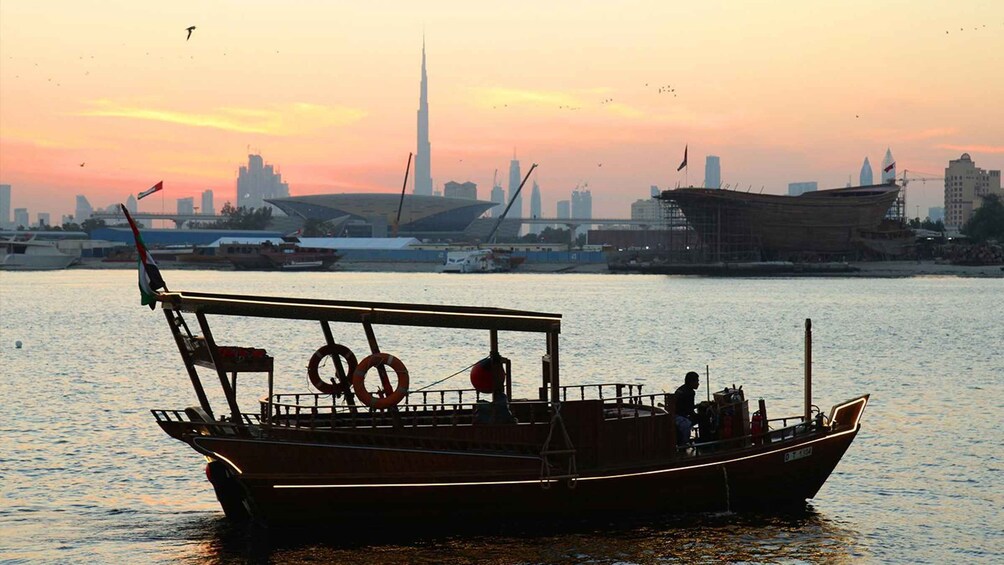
(873, 269)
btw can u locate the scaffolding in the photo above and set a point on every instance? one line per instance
(720, 233)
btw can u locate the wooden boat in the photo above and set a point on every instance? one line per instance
(824, 223)
(353, 454)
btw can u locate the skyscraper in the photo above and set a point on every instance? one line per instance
(797, 188)
(535, 209)
(498, 195)
(582, 207)
(712, 172)
(514, 177)
(888, 163)
(131, 204)
(83, 209)
(866, 174)
(4, 206)
(258, 181)
(21, 218)
(44, 220)
(186, 205)
(423, 156)
(563, 210)
(207, 203)
(655, 190)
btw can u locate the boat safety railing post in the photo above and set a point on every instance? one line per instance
(175, 320)
(808, 370)
(214, 354)
(552, 337)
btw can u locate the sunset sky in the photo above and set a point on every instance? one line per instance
(781, 91)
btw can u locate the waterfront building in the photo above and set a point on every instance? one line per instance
(866, 174)
(43, 220)
(796, 188)
(498, 196)
(258, 182)
(21, 218)
(423, 154)
(712, 172)
(83, 209)
(935, 213)
(535, 209)
(207, 203)
(186, 205)
(965, 186)
(468, 190)
(582, 207)
(888, 163)
(5, 206)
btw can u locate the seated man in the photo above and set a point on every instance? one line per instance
(686, 416)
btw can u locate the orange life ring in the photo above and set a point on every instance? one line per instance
(392, 397)
(336, 350)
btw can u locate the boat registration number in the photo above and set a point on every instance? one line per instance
(797, 454)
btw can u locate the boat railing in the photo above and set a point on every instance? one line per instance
(291, 410)
(636, 405)
(791, 426)
(600, 391)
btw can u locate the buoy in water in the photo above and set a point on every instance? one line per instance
(17, 344)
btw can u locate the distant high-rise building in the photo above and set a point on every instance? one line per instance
(131, 204)
(258, 181)
(207, 203)
(67, 219)
(965, 186)
(582, 208)
(655, 191)
(796, 188)
(562, 211)
(935, 213)
(866, 174)
(516, 211)
(4, 206)
(423, 155)
(890, 164)
(648, 210)
(186, 205)
(83, 209)
(21, 218)
(535, 209)
(43, 220)
(712, 172)
(467, 190)
(498, 195)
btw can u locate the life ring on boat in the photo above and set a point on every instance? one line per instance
(388, 398)
(336, 350)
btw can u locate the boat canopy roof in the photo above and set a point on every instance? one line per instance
(384, 313)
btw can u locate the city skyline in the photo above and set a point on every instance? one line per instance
(104, 114)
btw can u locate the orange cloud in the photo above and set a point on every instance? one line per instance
(285, 120)
(974, 148)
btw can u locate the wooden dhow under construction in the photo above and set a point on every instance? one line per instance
(735, 226)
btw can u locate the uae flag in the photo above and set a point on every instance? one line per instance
(890, 167)
(684, 163)
(150, 280)
(155, 188)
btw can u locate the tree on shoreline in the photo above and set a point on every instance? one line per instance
(987, 222)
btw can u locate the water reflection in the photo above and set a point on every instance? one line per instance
(804, 536)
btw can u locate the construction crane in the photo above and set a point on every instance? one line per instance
(900, 205)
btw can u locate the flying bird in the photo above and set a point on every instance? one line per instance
(82, 164)
(189, 29)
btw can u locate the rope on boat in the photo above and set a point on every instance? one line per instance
(449, 377)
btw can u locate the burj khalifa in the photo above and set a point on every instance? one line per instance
(423, 166)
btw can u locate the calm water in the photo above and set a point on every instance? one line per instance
(86, 474)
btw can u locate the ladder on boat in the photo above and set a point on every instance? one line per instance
(559, 458)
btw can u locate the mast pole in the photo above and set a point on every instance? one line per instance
(808, 370)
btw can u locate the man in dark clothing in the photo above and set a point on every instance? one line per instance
(686, 415)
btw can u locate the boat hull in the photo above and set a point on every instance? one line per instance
(325, 483)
